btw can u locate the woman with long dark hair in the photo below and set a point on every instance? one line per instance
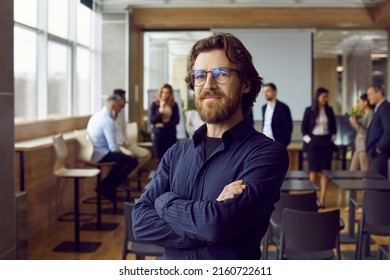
(164, 116)
(319, 132)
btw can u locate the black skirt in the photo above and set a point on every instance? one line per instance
(319, 152)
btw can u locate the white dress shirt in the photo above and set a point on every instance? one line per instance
(321, 127)
(269, 112)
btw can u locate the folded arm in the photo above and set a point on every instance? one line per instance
(222, 221)
(155, 116)
(148, 226)
(174, 120)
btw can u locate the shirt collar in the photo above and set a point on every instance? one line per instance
(112, 115)
(238, 131)
(271, 104)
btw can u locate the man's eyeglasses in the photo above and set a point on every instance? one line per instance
(221, 75)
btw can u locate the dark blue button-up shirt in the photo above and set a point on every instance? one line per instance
(179, 210)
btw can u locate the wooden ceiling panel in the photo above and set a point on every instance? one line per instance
(382, 14)
(198, 18)
(131, 4)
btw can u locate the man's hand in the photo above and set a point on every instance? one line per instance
(232, 190)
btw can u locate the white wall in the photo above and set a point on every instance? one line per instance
(284, 57)
(115, 54)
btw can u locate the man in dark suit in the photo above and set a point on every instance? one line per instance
(277, 121)
(378, 133)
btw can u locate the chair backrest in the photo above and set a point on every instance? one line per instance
(376, 212)
(299, 201)
(61, 153)
(310, 235)
(128, 209)
(86, 145)
(375, 218)
(139, 249)
(384, 250)
(132, 132)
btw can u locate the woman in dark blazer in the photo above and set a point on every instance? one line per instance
(319, 132)
(164, 116)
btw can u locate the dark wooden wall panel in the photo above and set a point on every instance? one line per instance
(198, 18)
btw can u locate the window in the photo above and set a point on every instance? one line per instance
(83, 102)
(58, 15)
(58, 96)
(84, 18)
(25, 12)
(54, 49)
(25, 74)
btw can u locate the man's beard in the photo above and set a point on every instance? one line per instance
(217, 111)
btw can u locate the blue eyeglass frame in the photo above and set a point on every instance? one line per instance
(213, 75)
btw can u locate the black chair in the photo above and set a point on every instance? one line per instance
(375, 219)
(310, 235)
(130, 245)
(299, 201)
(384, 250)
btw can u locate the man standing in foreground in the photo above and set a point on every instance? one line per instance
(378, 133)
(277, 121)
(212, 196)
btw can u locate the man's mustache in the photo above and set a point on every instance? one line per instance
(210, 93)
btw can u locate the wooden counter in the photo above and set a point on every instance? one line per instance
(295, 154)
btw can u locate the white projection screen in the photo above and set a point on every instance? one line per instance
(283, 57)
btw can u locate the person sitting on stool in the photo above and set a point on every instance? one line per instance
(101, 129)
(131, 149)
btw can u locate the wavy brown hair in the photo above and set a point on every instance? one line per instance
(171, 101)
(237, 54)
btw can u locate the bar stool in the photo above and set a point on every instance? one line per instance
(61, 171)
(85, 155)
(142, 154)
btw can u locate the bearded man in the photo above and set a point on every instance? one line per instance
(212, 196)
